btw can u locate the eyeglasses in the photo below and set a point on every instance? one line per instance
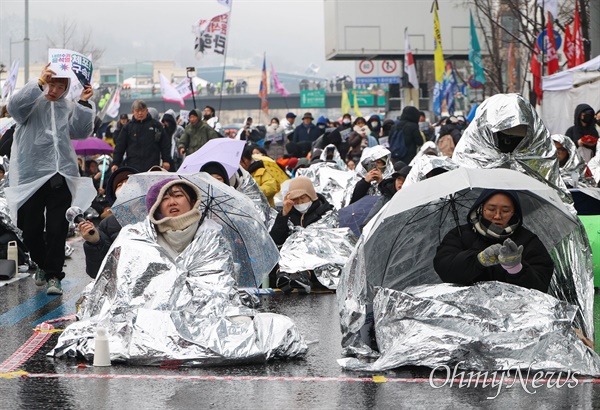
(493, 212)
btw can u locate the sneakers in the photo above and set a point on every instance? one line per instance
(287, 282)
(54, 287)
(40, 277)
(300, 281)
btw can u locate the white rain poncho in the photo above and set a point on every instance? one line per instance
(42, 146)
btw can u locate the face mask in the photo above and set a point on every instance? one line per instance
(382, 169)
(302, 208)
(321, 126)
(588, 118)
(374, 124)
(598, 122)
(346, 122)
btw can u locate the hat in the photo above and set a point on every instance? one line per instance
(214, 167)
(117, 177)
(292, 163)
(302, 186)
(307, 115)
(322, 120)
(124, 116)
(398, 165)
(403, 172)
(194, 113)
(302, 163)
(157, 191)
(290, 115)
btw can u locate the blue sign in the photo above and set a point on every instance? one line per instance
(543, 38)
(377, 80)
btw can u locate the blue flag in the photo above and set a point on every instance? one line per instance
(450, 87)
(437, 98)
(475, 54)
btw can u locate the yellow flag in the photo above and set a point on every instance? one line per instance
(345, 101)
(438, 54)
(356, 110)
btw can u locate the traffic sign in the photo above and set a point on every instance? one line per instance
(542, 39)
(366, 67)
(389, 66)
(312, 98)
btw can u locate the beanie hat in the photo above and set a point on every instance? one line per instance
(157, 191)
(292, 163)
(119, 175)
(302, 186)
(194, 113)
(214, 167)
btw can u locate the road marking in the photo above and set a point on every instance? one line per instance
(28, 349)
(21, 311)
(67, 308)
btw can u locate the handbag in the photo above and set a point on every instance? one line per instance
(8, 269)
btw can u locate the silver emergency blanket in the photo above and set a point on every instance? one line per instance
(336, 158)
(248, 186)
(573, 172)
(430, 147)
(535, 156)
(425, 164)
(490, 326)
(320, 247)
(330, 181)
(594, 166)
(185, 310)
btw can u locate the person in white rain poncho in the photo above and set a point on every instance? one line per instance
(44, 178)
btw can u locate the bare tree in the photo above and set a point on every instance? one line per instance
(69, 36)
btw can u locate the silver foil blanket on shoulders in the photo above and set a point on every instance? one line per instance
(156, 308)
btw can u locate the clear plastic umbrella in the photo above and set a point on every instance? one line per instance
(254, 252)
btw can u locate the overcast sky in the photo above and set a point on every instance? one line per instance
(291, 32)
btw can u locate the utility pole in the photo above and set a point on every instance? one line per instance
(26, 42)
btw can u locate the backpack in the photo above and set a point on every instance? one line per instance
(398, 143)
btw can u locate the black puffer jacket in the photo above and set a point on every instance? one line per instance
(145, 143)
(409, 123)
(456, 257)
(280, 230)
(108, 230)
(577, 131)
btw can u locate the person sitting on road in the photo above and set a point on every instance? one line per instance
(360, 138)
(216, 170)
(494, 245)
(302, 206)
(266, 182)
(375, 170)
(96, 245)
(388, 188)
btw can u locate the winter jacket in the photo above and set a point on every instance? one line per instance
(195, 136)
(304, 133)
(355, 140)
(108, 230)
(409, 123)
(145, 143)
(387, 187)
(453, 130)
(265, 181)
(456, 259)
(577, 131)
(281, 231)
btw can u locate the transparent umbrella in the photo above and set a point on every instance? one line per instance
(254, 251)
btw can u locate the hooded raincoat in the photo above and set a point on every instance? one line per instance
(42, 147)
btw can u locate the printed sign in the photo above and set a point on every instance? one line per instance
(378, 72)
(312, 98)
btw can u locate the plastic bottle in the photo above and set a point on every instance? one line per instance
(101, 351)
(12, 253)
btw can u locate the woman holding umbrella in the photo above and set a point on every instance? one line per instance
(494, 246)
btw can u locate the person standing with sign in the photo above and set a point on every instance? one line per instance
(44, 177)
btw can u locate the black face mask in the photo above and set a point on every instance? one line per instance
(598, 122)
(588, 118)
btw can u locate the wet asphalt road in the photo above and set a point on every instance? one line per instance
(318, 382)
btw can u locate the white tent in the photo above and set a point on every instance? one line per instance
(563, 91)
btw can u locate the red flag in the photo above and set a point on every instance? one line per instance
(551, 48)
(263, 90)
(569, 47)
(537, 73)
(577, 37)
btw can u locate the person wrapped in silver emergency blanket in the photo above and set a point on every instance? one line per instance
(165, 292)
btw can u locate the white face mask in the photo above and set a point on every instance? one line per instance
(374, 124)
(346, 121)
(302, 208)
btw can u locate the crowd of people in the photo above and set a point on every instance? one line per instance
(146, 140)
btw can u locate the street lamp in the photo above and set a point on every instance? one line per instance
(189, 70)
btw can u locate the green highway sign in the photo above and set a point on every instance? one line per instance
(312, 99)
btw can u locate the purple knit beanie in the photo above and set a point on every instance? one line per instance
(154, 191)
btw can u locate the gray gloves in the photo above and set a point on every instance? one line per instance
(489, 256)
(510, 254)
